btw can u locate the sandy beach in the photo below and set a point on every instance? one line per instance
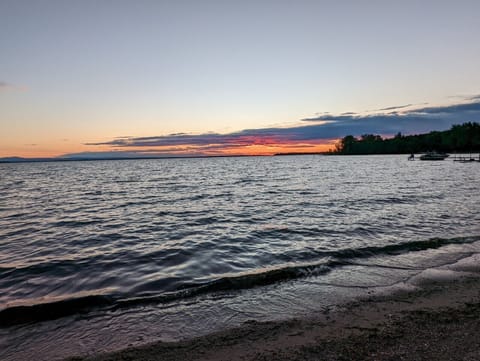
(439, 321)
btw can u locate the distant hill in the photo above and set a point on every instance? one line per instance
(118, 155)
(460, 138)
(76, 158)
(11, 159)
(22, 160)
(87, 156)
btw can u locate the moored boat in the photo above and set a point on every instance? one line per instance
(433, 156)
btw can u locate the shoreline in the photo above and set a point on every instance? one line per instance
(440, 321)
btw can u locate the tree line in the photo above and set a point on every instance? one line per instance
(462, 138)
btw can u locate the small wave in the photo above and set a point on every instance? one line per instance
(233, 283)
(401, 248)
(61, 266)
(245, 181)
(15, 215)
(189, 198)
(53, 310)
(49, 311)
(128, 180)
(76, 223)
(284, 231)
(205, 221)
(137, 203)
(326, 261)
(406, 199)
(17, 232)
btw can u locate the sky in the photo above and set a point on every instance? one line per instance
(211, 77)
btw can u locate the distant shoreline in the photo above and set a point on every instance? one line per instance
(52, 160)
(56, 160)
(49, 160)
(37, 160)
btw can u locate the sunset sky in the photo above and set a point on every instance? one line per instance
(218, 77)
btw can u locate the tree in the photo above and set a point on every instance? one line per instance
(460, 138)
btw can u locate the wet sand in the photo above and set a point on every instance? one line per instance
(439, 321)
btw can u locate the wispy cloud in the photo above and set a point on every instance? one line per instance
(409, 122)
(243, 138)
(4, 87)
(459, 110)
(393, 108)
(469, 97)
(474, 97)
(321, 129)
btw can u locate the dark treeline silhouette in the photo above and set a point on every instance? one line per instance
(460, 138)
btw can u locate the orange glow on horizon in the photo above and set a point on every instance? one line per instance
(252, 147)
(258, 149)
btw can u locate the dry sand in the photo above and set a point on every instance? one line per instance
(439, 322)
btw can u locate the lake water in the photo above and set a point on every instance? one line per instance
(103, 254)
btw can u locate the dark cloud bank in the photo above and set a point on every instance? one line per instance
(318, 129)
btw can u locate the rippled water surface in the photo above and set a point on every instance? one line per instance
(84, 236)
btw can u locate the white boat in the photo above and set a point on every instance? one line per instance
(433, 156)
